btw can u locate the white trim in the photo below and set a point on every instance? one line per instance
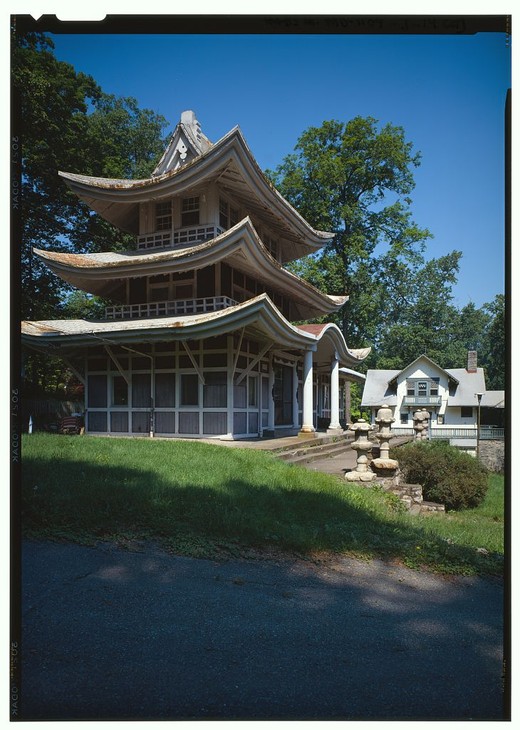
(308, 387)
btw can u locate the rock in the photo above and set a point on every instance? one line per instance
(359, 476)
(384, 464)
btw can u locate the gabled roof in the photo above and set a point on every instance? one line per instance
(186, 142)
(377, 390)
(229, 161)
(433, 364)
(259, 316)
(469, 384)
(239, 246)
(494, 399)
(380, 385)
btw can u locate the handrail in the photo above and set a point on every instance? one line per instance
(169, 308)
(451, 432)
(177, 237)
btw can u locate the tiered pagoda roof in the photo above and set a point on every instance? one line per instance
(239, 246)
(229, 161)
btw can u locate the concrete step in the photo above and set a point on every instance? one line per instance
(316, 440)
(306, 455)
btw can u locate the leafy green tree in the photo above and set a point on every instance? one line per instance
(80, 305)
(495, 344)
(68, 123)
(354, 180)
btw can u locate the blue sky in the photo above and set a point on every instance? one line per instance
(447, 92)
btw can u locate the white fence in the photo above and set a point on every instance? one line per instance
(453, 432)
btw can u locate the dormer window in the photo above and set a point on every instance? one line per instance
(228, 216)
(190, 213)
(163, 216)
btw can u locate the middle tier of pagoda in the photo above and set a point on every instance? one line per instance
(228, 269)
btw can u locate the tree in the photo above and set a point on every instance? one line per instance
(68, 123)
(494, 350)
(354, 180)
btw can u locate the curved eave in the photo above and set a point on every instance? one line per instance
(239, 246)
(117, 199)
(259, 316)
(331, 331)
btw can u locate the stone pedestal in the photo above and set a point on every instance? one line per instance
(420, 424)
(362, 446)
(384, 420)
(385, 468)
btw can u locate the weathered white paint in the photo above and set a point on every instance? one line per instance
(307, 415)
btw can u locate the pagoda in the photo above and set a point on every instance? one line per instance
(200, 340)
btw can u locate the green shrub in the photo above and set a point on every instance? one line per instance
(448, 476)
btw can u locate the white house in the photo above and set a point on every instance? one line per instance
(203, 336)
(449, 395)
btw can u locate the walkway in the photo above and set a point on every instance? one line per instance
(113, 634)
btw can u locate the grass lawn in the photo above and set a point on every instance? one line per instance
(205, 500)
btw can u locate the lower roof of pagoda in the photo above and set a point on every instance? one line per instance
(259, 317)
(240, 247)
(230, 162)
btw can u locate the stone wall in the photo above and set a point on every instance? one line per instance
(492, 455)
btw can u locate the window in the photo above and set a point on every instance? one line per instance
(228, 216)
(119, 391)
(422, 388)
(189, 390)
(190, 212)
(253, 392)
(97, 393)
(404, 418)
(215, 390)
(165, 390)
(163, 216)
(466, 412)
(141, 384)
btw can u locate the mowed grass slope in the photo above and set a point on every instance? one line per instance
(202, 499)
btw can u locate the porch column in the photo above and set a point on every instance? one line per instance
(230, 382)
(348, 401)
(270, 415)
(307, 420)
(295, 397)
(334, 426)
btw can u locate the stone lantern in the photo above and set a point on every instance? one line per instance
(384, 465)
(420, 424)
(384, 420)
(362, 445)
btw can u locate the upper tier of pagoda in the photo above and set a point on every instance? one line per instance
(189, 165)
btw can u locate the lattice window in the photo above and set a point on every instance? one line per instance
(163, 216)
(190, 212)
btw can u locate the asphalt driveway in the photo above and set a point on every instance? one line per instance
(118, 634)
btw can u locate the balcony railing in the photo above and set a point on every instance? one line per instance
(179, 237)
(168, 309)
(422, 400)
(454, 432)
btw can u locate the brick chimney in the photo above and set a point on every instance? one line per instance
(472, 361)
